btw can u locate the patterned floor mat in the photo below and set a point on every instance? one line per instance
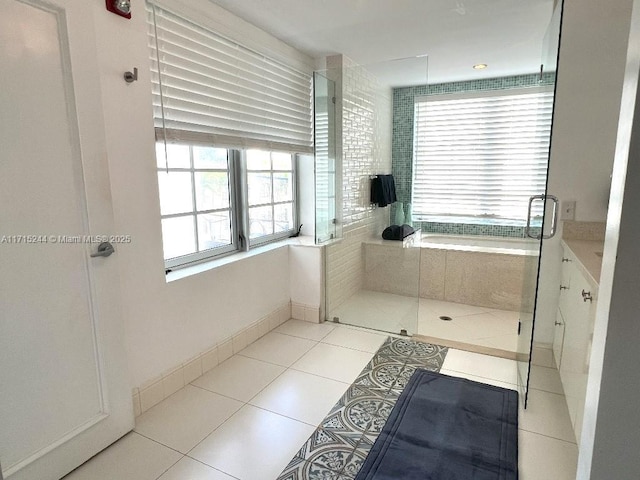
(337, 448)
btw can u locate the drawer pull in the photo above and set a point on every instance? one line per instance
(565, 259)
(586, 296)
(562, 287)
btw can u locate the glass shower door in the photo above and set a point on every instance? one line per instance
(538, 229)
(324, 102)
(369, 282)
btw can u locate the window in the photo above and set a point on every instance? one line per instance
(270, 185)
(229, 123)
(206, 193)
(195, 186)
(479, 157)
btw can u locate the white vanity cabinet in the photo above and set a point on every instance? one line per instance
(574, 333)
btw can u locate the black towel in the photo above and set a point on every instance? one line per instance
(383, 190)
(397, 232)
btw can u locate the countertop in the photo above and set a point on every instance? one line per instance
(588, 261)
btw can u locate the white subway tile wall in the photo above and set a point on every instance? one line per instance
(366, 151)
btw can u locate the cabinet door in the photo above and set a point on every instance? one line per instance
(565, 281)
(574, 367)
(558, 339)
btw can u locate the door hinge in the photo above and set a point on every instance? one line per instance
(519, 326)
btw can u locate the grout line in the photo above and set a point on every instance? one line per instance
(351, 348)
(220, 394)
(545, 391)
(171, 466)
(210, 466)
(548, 436)
(287, 416)
(160, 443)
(294, 370)
(259, 392)
(273, 363)
(210, 433)
(303, 338)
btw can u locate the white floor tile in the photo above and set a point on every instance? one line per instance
(308, 330)
(133, 457)
(479, 365)
(239, 377)
(189, 469)
(182, 420)
(543, 357)
(355, 339)
(278, 349)
(301, 396)
(475, 378)
(547, 414)
(254, 444)
(547, 379)
(502, 342)
(336, 363)
(545, 458)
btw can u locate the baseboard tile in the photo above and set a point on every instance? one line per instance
(308, 313)
(158, 388)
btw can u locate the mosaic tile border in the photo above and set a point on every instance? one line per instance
(340, 444)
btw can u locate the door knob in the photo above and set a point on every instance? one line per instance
(104, 250)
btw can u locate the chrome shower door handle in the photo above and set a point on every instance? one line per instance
(105, 249)
(528, 228)
(554, 218)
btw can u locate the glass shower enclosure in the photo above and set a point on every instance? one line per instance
(370, 282)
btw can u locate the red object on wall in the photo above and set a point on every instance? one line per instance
(111, 6)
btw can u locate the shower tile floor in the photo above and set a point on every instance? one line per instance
(469, 324)
(247, 418)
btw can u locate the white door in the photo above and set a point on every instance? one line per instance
(64, 391)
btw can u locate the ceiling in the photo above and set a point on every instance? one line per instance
(455, 34)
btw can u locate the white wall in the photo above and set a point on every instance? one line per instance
(167, 323)
(589, 86)
(611, 430)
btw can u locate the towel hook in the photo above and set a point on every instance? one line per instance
(131, 77)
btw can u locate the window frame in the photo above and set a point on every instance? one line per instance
(238, 206)
(263, 240)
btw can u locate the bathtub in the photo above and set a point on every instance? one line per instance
(473, 243)
(474, 270)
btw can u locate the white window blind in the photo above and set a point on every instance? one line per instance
(481, 155)
(209, 89)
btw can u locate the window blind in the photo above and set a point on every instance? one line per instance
(209, 89)
(481, 155)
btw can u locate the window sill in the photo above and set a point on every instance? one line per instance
(207, 265)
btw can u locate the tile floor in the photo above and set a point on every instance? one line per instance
(485, 327)
(339, 446)
(247, 418)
